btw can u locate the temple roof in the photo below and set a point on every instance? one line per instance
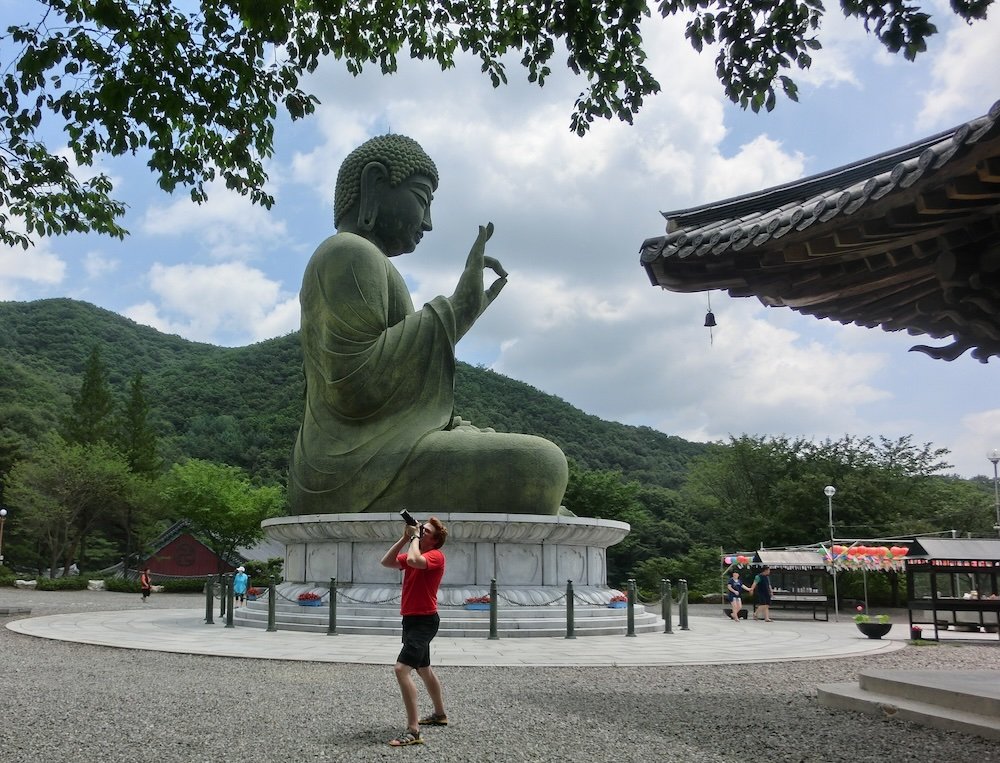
(905, 240)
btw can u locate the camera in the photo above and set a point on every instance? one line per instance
(407, 517)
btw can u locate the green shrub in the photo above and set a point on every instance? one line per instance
(75, 583)
(260, 573)
(121, 585)
(7, 580)
(184, 585)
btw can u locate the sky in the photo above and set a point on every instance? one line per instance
(578, 318)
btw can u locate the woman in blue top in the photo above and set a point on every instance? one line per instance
(734, 589)
(240, 583)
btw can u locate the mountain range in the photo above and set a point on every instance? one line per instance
(242, 405)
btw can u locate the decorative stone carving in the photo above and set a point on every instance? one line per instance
(531, 557)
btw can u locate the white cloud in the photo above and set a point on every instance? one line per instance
(228, 303)
(22, 270)
(98, 265)
(227, 226)
(964, 75)
(980, 436)
(761, 163)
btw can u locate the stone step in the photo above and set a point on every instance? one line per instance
(361, 610)
(952, 702)
(969, 691)
(455, 622)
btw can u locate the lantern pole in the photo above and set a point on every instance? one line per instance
(994, 457)
(831, 491)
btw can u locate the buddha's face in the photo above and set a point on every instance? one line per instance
(404, 214)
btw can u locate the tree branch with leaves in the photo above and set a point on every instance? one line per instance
(196, 88)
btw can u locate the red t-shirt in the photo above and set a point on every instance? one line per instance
(420, 587)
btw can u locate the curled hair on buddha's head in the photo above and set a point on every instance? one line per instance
(401, 156)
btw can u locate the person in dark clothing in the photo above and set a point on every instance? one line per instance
(145, 584)
(761, 590)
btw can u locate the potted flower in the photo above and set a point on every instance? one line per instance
(478, 602)
(253, 593)
(310, 599)
(618, 601)
(872, 627)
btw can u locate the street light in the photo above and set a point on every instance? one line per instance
(994, 457)
(3, 516)
(829, 491)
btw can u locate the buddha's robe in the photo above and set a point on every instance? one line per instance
(378, 432)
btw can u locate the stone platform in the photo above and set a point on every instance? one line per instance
(531, 557)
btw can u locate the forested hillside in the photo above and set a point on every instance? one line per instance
(98, 493)
(242, 405)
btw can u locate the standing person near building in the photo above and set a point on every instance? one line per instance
(241, 581)
(734, 590)
(145, 584)
(418, 554)
(761, 590)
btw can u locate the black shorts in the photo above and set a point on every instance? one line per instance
(418, 631)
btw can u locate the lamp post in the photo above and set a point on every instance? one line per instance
(3, 517)
(994, 457)
(831, 491)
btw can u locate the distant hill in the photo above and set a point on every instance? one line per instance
(242, 405)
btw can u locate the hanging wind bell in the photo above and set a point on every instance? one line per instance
(710, 319)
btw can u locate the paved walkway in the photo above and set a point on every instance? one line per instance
(709, 641)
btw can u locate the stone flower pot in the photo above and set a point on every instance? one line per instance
(874, 630)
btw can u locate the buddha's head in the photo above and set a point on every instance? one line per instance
(384, 191)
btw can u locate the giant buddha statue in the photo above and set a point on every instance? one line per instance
(379, 432)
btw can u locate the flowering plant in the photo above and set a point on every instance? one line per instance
(309, 596)
(619, 597)
(863, 617)
(255, 591)
(478, 599)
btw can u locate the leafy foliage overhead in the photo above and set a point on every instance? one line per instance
(197, 86)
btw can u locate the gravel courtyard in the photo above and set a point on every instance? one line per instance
(73, 702)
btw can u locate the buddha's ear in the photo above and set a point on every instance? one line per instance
(374, 178)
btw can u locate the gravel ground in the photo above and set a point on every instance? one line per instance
(89, 704)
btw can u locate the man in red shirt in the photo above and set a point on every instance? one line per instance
(418, 554)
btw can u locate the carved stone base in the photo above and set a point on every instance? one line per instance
(530, 556)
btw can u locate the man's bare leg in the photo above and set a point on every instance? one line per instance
(409, 691)
(434, 691)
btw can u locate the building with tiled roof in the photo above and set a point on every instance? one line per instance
(906, 240)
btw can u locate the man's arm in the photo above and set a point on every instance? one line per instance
(414, 558)
(389, 560)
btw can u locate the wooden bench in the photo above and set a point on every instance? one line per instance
(814, 602)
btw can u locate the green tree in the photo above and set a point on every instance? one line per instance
(92, 415)
(198, 89)
(61, 493)
(136, 435)
(699, 567)
(764, 490)
(224, 508)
